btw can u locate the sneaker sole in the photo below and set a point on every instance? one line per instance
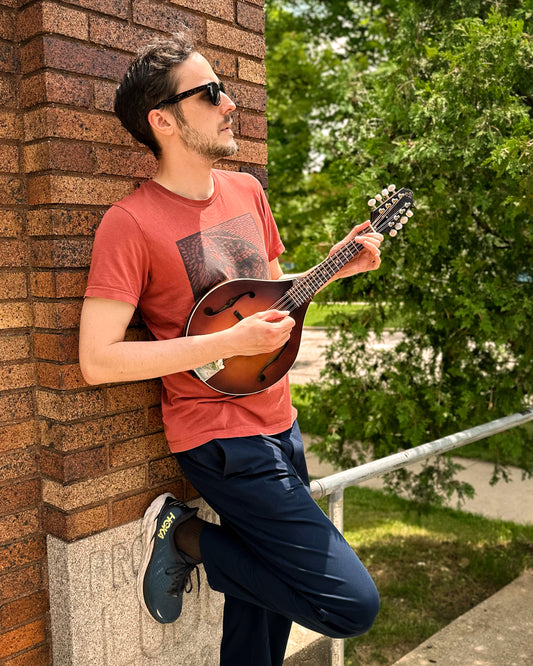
(148, 530)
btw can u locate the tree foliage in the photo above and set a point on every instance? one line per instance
(438, 97)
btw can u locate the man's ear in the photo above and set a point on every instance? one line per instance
(160, 122)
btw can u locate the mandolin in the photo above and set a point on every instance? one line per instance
(229, 302)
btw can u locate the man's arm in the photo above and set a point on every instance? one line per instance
(105, 356)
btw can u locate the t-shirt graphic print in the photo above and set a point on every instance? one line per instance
(229, 250)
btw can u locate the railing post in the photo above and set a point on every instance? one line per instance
(336, 515)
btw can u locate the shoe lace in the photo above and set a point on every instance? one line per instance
(181, 581)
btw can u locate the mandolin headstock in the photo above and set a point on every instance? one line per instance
(391, 210)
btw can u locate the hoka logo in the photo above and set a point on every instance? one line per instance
(166, 525)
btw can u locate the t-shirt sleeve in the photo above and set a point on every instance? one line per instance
(120, 264)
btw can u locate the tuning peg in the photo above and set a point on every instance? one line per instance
(385, 192)
(393, 233)
(371, 202)
(379, 197)
(409, 213)
(404, 219)
(398, 226)
(391, 188)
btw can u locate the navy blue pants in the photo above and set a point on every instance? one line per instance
(276, 556)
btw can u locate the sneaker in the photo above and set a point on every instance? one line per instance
(165, 572)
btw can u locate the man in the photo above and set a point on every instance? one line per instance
(275, 556)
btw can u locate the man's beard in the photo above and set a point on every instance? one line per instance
(204, 146)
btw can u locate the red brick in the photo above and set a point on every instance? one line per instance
(8, 90)
(29, 550)
(65, 407)
(60, 315)
(10, 125)
(13, 285)
(15, 315)
(251, 17)
(248, 96)
(18, 496)
(223, 9)
(61, 377)
(11, 223)
(15, 406)
(39, 657)
(55, 87)
(251, 70)
(8, 58)
(7, 25)
(133, 508)
(11, 190)
(56, 346)
(58, 156)
(104, 95)
(73, 436)
(9, 159)
(18, 525)
(22, 610)
(60, 53)
(72, 526)
(252, 126)
(73, 124)
(163, 470)
(16, 436)
(76, 190)
(223, 64)
(235, 39)
(61, 253)
(74, 467)
(119, 34)
(138, 450)
(123, 396)
(250, 151)
(13, 253)
(50, 17)
(22, 638)
(114, 161)
(16, 375)
(117, 8)
(56, 284)
(17, 464)
(15, 347)
(55, 222)
(22, 581)
(165, 17)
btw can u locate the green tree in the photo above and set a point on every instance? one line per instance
(441, 101)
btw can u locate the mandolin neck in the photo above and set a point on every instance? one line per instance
(306, 286)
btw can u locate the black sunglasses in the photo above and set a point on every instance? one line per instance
(214, 89)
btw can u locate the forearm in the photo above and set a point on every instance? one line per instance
(126, 361)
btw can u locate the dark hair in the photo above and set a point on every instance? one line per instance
(150, 79)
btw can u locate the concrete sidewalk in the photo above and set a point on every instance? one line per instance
(498, 631)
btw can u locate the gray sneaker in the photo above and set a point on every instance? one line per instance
(165, 572)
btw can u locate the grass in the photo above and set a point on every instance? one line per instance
(428, 568)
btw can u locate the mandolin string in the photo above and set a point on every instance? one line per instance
(351, 249)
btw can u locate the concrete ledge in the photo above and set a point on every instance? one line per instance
(497, 632)
(96, 619)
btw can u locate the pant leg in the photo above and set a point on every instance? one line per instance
(276, 549)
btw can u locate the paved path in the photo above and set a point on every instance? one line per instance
(499, 631)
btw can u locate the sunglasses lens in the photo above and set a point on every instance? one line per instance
(214, 92)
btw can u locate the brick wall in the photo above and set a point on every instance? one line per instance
(76, 460)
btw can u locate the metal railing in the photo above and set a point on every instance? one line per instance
(333, 486)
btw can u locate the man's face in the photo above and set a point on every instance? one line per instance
(205, 129)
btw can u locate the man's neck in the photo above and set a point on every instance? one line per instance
(191, 178)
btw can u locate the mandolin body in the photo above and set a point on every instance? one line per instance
(225, 305)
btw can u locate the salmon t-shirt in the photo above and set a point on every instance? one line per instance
(161, 253)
